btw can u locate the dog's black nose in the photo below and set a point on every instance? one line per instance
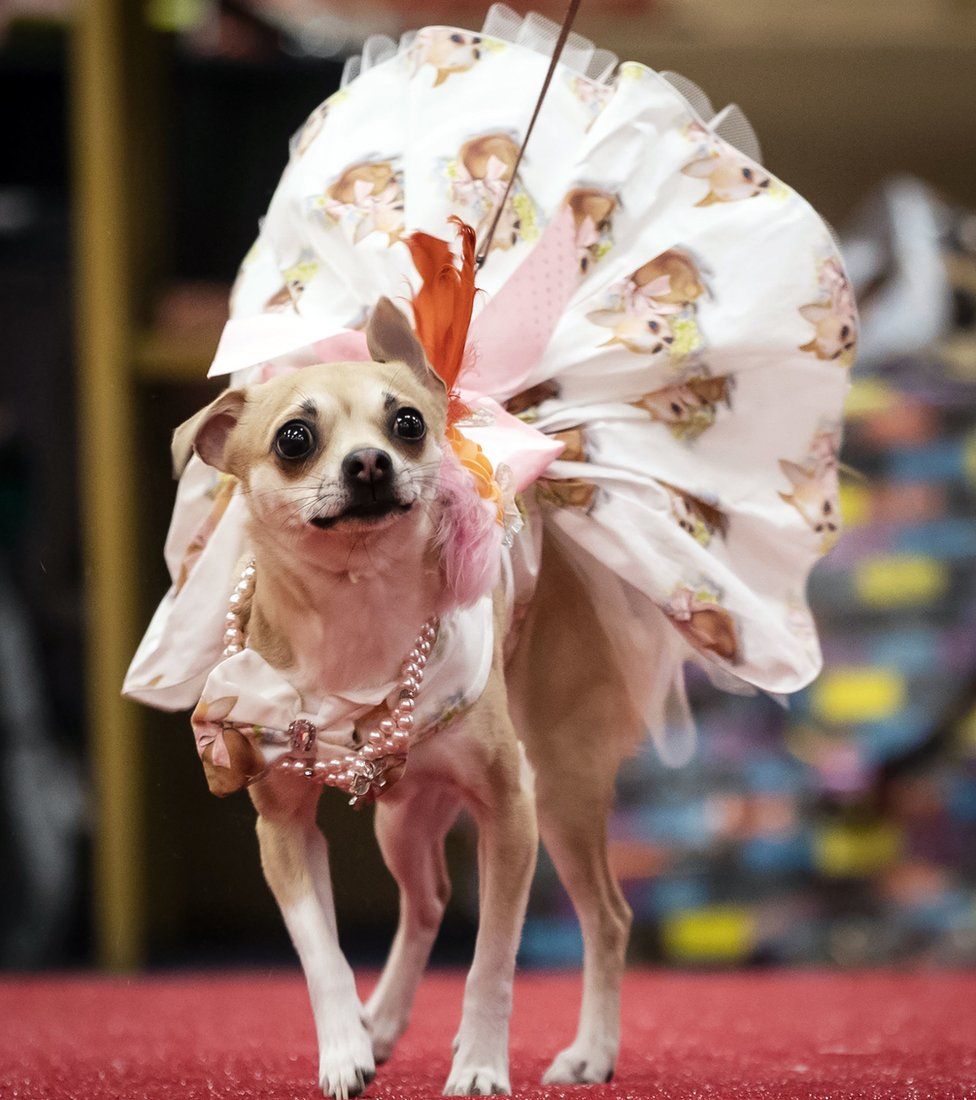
(367, 468)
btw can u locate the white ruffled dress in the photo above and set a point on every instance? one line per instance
(662, 346)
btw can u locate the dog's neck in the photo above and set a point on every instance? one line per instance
(342, 619)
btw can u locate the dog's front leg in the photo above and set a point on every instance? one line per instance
(295, 859)
(507, 844)
(411, 823)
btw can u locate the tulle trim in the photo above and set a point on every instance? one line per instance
(580, 55)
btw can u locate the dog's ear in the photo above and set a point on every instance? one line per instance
(700, 169)
(606, 318)
(206, 432)
(713, 630)
(390, 339)
(797, 474)
(815, 313)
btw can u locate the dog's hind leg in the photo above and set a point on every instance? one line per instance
(295, 859)
(411, 826)
(573, 712)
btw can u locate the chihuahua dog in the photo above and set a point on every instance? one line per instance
(337, 464)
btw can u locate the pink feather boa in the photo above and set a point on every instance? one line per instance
(469, 537)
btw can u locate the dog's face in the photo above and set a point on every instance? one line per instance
(814, 496)
(674, 405)
(335, 452)
(649, 333)
(449, 51)
(835, 331)
(683, 513)
(730, 178)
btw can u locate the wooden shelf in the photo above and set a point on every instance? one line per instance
(163, 357)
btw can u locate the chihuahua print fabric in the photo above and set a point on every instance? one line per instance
(814, 487)
(834, 317)
(728, 175)
(593, 211)
(704, 328)
(480, 176)
(446, 52)
(369, 197)
(654, 309)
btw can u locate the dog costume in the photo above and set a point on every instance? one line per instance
(656, 366)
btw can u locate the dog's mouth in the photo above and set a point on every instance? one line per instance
(366, 512)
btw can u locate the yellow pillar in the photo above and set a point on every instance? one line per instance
(109, 498)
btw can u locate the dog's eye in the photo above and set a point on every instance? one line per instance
(294, 441)
(747, 172)
(409, 424)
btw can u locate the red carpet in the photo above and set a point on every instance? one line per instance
(727, 1037)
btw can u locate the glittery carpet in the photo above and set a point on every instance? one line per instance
(248, 1036)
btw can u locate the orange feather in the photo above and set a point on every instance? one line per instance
(442, 307)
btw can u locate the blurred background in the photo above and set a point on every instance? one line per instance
(143, 139)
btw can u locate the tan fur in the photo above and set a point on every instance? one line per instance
(475, 156)
(572, 711)
(571, 492)
(835, 336)
(679, 403)
(814, 496)
(730, 177)
(446, 51)
(686, 281)
(685, 506)
(245, 764)
(476, 153)
(379, 174)
(592, 203)
(280, 300)
(711, 629)
(337, 609)
(596, 207)
(574, 444)
(530, 398)
(276, 648)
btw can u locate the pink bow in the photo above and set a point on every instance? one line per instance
(469, 189)
(641, 301)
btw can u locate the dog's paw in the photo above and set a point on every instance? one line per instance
(384, 1031)
(346, 1069)
(578, 1065)
(477, 1081)
(343, 1080)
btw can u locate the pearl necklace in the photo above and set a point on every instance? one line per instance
(386, 745)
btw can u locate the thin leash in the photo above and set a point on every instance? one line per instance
(556, 54)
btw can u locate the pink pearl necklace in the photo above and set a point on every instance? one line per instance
(386, 745)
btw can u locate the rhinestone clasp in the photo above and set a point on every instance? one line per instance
(302, 733)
